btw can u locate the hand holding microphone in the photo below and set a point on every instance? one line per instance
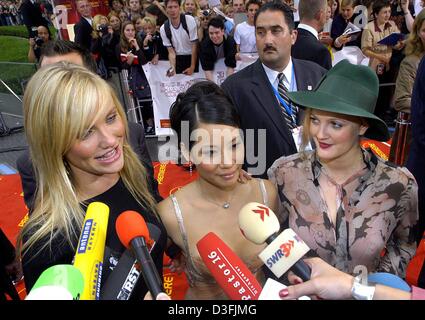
(259, 224)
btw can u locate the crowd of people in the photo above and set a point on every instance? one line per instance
(307, 119)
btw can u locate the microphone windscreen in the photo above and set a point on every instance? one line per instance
(91, 247)
(389, 280)
(232, 275)
(130, 225)
(59, 282)
(258, 222)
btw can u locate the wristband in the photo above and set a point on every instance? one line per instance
(360, 291)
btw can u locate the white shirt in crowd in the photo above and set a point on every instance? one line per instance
(182, 43)
(272, 75)
(245, 37)
(309, 29)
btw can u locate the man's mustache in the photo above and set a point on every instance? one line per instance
(267, 48)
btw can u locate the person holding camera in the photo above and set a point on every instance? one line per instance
(104, 41)
(37, 42)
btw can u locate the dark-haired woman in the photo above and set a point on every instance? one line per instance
(212, 202)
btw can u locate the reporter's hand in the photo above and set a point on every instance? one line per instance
(326, 282)
(31, 42)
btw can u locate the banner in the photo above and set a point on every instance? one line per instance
(65, 15)
(165, 89)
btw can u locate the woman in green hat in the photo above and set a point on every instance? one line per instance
(348, 205)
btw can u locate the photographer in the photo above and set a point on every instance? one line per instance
(104, 41)
(36, 43)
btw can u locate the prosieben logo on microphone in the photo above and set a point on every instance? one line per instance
(284, 252)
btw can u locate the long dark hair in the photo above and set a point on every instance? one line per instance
(203, 102)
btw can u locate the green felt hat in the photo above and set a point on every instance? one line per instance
(347, 89)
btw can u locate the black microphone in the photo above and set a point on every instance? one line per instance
(123, 279)
(133, 233)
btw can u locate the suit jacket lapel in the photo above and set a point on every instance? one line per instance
(263, 92)
(303, 83)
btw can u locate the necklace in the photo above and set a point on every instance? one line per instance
(225, 205)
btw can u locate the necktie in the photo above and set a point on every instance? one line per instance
(283, 93)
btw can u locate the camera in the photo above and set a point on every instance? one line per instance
(206, 13)
(102, 28)
(38, 41)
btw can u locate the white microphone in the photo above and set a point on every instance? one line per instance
(259, 224)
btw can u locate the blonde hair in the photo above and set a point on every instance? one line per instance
(414, 43)
(306, 136)
(60, 103)
(149, 20)
(197, 8)
(96, 22)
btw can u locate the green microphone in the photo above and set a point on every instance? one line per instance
(59, 282)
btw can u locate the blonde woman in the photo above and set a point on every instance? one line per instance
(78, 139)
(349, 206)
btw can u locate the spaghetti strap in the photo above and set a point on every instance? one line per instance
(264, 192)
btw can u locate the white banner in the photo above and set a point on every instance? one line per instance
(165, 89)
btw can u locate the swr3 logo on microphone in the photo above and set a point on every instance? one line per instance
(283, 252)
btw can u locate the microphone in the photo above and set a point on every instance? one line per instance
(232, 275)
(59, 282)
(389, 280)
(259, 224)
(91, 247)
(123, 279)
(133, 233)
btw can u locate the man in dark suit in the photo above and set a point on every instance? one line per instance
(256, 90)
(33, 18)
(83, 28)
(308, 46)
(60, 50)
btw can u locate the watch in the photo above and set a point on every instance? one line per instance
(360, 291)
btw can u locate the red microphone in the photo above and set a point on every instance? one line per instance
(232, 275)
(133, 233)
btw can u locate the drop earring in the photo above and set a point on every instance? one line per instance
(190, 168)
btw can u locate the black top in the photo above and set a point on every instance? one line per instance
(119, 199)
(208, 53)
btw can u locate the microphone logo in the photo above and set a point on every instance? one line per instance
(87, 236)
(261, 211)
